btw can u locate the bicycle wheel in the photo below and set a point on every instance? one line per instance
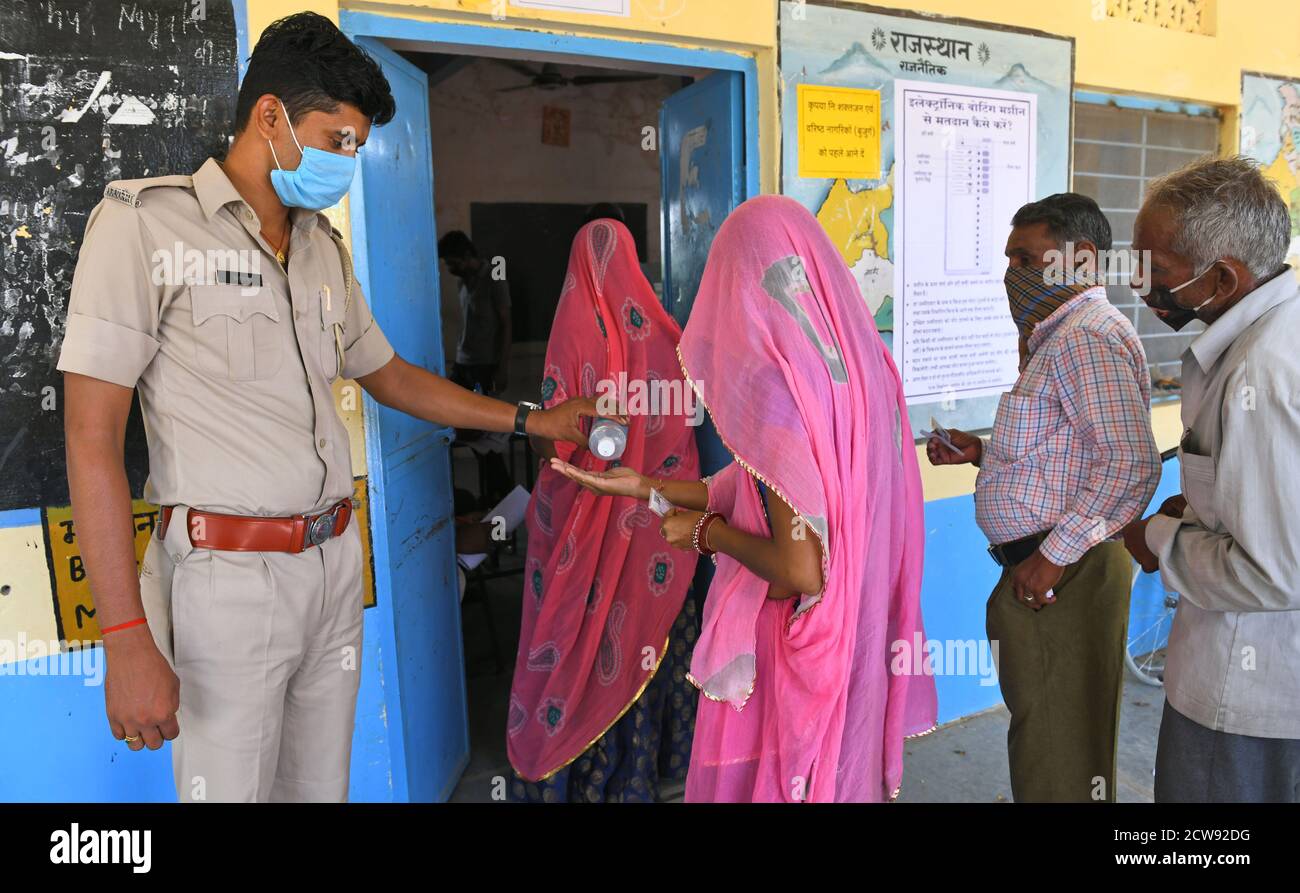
(1150, 621)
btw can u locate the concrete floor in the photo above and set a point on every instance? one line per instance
(961, 762)
(966, 761)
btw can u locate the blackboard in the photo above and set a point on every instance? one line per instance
(534, 238)
(90, 92)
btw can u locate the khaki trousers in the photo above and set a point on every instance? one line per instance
(267, 647)
(1061, 670)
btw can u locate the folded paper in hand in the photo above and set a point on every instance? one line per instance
(658, 504)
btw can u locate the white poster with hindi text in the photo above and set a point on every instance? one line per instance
(965, 165)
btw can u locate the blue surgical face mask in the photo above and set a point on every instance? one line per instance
(320, 180)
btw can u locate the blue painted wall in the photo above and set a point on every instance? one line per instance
(960, 575)
(55, 745)
(64, 752)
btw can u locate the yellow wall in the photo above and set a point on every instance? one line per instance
(1114, 56)
(1110, 55)
(1117, 56)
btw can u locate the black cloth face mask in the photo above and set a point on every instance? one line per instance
(1175, 315)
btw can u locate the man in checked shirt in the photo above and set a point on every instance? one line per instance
(1070, 462)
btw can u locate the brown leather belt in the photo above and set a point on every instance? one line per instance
(240, 533)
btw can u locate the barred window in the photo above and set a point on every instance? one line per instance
(1117, 152)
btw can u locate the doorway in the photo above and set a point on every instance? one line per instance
(508, 136)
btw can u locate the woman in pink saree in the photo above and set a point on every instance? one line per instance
(607, 626)
(812, 631)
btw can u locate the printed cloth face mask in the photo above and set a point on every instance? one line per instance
(1033, 298)
(1176, 315)
(321, 179)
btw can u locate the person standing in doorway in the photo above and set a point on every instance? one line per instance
(240, 637)
(483, 352)
(600, 709)
(1070, 462)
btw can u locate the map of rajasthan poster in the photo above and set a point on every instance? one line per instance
(1270, 133)
(834, 46)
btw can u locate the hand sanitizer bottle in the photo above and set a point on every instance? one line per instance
(608, 439)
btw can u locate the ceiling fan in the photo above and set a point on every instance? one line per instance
(549, 77)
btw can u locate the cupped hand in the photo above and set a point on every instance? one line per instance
(619, 481)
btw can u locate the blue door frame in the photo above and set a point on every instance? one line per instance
(417, 615)
(414, 710)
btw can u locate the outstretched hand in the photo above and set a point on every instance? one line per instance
(620, 481)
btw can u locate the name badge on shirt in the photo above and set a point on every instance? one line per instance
(241, 278)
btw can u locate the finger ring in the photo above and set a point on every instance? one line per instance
(131, 738)
(1029, 598)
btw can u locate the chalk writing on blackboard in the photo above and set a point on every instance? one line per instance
(89, 92)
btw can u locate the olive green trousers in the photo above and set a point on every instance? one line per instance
(1061, 670)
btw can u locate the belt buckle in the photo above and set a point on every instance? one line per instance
(321, 527)
(996, 555)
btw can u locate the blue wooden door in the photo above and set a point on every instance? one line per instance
(702, 151)
(703, 156)
(421, 659)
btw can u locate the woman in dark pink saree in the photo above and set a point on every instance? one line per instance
(806, 656)
(600, 709)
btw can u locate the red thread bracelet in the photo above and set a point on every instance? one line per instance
(130, 623)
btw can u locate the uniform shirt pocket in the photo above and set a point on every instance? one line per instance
(1199, 479)
(236, 331)
(331, 313)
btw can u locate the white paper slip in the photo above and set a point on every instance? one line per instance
(940, 433)
(472, 560)
(658, 504)
(511, 510)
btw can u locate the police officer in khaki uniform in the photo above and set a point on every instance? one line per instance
(226, 300)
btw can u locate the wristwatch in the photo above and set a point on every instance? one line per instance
(521, 416)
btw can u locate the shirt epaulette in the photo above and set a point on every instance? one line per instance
(128, 191)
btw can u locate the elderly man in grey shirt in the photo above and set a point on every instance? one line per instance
(1214, 236)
